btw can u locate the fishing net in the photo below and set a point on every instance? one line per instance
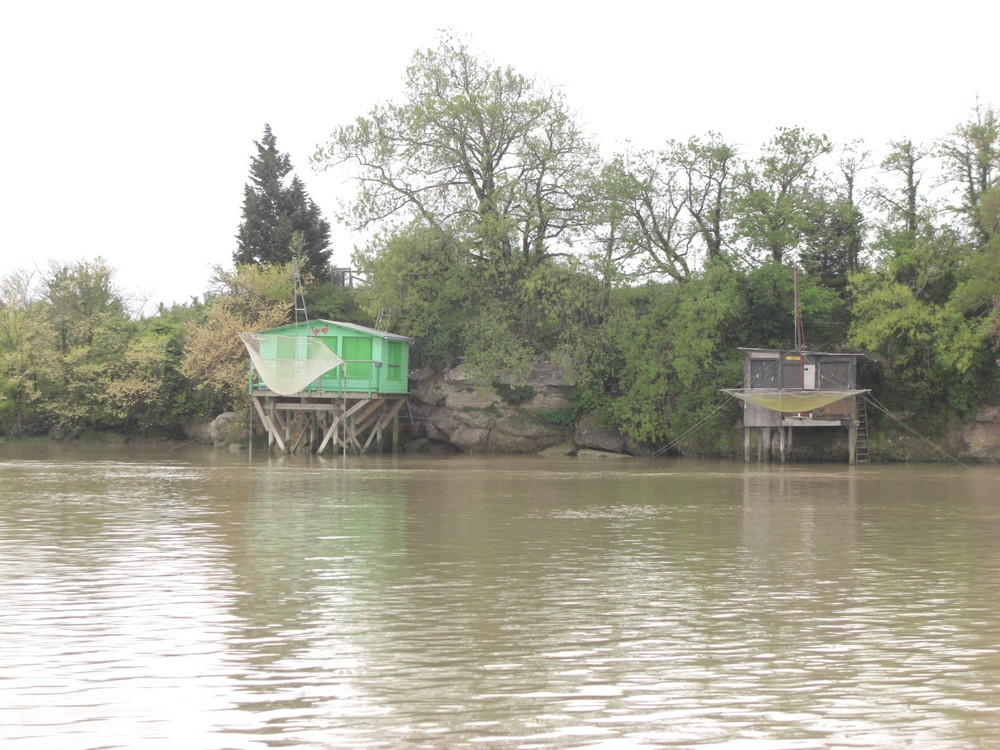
(791, 401)
(287, 364)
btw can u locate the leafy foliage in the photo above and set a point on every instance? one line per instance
(475, 152)
(501, 238)
(250, 298)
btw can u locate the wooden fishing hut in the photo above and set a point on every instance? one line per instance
(798, 389)
(323, 382)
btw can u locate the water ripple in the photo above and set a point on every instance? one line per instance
(182, 602)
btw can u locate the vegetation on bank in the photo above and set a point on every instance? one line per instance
(500, 235)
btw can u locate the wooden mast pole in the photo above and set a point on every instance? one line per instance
(798, 314)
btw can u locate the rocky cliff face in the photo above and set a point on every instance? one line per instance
(476, 416)
(982, 436)
(473, 415)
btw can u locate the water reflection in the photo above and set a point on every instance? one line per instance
(496, 602)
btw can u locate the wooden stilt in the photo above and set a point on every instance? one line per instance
(272, 434)
(296, 422)
(316, 422)
(268, 422)
(330, 435)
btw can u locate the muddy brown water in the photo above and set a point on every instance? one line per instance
(158, 599)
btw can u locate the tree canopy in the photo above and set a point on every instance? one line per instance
(275, 207)
(498, 234)
(476, 151)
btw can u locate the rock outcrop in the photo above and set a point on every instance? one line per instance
(455, 407)
(982, 435)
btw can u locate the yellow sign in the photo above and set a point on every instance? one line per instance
(795, 358)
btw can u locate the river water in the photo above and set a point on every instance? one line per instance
(193, 599)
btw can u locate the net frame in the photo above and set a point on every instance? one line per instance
(791, 401)
(288, 376)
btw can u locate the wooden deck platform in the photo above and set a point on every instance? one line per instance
(350, 421)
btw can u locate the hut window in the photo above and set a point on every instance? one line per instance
(286, 347)
(764, 373)
(357, 348)
(834, 375)
(791, 374)
(395, 361)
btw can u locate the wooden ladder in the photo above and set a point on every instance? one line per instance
(861, 453)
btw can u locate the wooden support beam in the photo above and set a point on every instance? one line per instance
(272, 437)
(285, 406)
(370, 407)
(352, 434)
(271, 428)
(381, 421)
(299, 437)
(330, 433)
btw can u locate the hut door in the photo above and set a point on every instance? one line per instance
(809, 377)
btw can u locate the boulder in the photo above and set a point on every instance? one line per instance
(563, 449)
(592, 434)
(229, 427)
(590, 453)
(982, 435)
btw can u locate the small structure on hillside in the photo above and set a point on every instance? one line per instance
(788, 390)
(324, 382)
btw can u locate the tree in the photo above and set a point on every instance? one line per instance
(646, 197)
(81, 298)
(274, 208)
(665, 213)
(426, 285)
(904, 205)
(707, 167)
(930, 310)
(833, 236)
(475, 151)
(250, 298)
(25, 341)
(972, 161)
(776, 191)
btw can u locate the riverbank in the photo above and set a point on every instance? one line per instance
(892, 440)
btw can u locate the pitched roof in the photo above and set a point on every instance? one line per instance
(783, 352)
(353, 326)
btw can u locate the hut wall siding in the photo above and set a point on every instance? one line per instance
(766, 368)
(376, 379)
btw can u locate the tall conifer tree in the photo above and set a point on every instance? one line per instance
(274, 207)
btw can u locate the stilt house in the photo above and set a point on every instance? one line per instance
(797, 389)
(324, 382)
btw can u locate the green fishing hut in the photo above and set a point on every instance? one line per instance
(340, 383)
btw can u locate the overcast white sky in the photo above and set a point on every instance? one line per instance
(129, 126)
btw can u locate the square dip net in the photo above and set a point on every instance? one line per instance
(288, 364)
